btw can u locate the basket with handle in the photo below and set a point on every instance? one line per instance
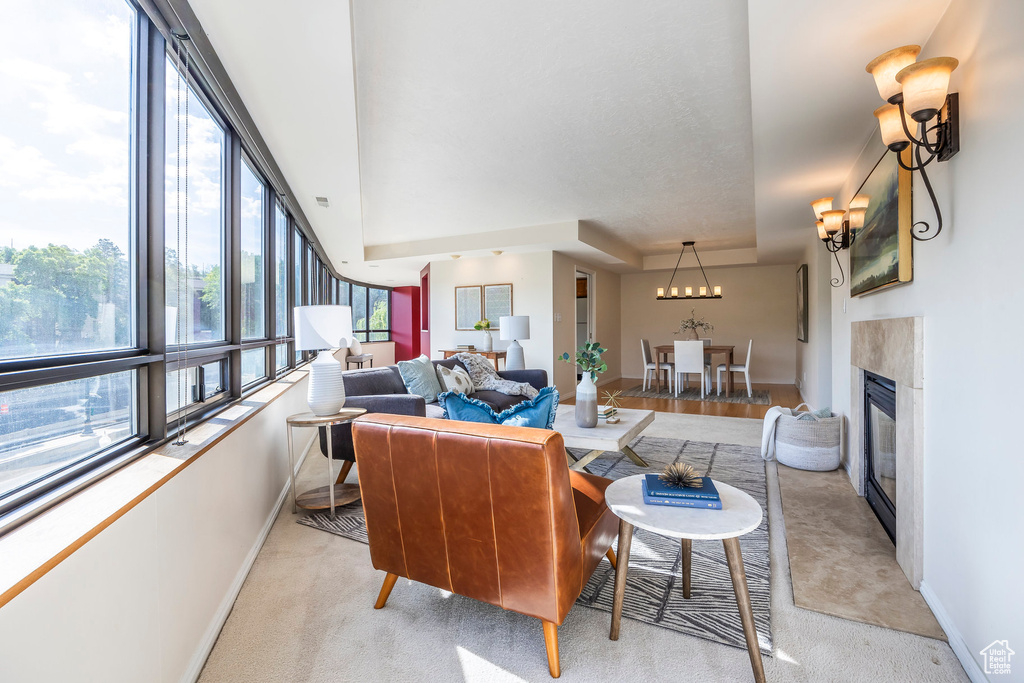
(808, 444)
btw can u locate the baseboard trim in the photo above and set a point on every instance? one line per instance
(956, 641)
(220, 617)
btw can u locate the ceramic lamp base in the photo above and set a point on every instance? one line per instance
(326, 385)
(514, 358)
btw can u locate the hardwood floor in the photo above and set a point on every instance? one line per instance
(786, 395)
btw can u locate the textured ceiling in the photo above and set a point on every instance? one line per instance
(633, 118)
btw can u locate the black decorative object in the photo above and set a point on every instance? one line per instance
(680, 475)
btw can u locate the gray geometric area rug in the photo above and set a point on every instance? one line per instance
(760, 397)
(654, 593)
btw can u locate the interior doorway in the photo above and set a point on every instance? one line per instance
(584, 309)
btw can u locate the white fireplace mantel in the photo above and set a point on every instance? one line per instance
(894, 348)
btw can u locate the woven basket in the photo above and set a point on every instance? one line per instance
(808, 444)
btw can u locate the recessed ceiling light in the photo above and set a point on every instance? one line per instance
(373, 266)
(344, 262)
(456, 256)
(323, 201)
(498, 253)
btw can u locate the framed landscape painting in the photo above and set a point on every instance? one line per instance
(801, 303)
(881, 254)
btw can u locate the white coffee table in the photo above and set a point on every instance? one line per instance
(740, 514)
(603, 437)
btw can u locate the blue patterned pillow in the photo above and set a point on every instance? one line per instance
(536, 412)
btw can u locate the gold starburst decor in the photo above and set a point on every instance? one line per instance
(680, 475)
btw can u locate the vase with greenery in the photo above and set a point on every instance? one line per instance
(688, 328)
(588, 360)
(485, 326)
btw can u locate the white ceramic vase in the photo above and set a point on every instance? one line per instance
(487, 342)
(586, 402)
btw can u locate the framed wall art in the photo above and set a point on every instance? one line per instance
(468, 307)
(881, 254)
(801, 303)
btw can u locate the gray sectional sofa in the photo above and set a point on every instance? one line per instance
(381, 390)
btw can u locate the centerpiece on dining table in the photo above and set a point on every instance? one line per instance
(688, 327)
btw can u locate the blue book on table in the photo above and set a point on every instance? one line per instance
(656, 487)
(679, 502)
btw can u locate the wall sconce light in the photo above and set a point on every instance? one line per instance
(917, 93)
(688, 291)
(835, 230)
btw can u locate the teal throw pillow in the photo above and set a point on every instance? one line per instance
(419, 378)
(537, 412)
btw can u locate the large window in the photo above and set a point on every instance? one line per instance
(65, 178)
(123, 314)
(253, 282)
(194, 234)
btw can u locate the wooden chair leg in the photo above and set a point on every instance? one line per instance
(551, 642)
(345, 469)
(687, 549)
(385, 590)
(611, 557)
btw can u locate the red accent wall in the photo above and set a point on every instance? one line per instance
(405, 322)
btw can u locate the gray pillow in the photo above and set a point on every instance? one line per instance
(419, 378)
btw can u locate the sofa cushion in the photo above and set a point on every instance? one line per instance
(373, 381)
(420, 378)
(455, 379)
(435, 410)
(538, 412)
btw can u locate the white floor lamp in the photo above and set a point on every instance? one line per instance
(323, 329)
(514, 327)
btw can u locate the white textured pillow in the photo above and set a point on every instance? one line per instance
(455, 379)
(354, 347)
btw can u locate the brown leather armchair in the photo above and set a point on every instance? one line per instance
(486, 511)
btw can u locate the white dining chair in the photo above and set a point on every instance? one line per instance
(689, 358)
(745, 369)
(650, 367)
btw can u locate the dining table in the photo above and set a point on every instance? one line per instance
(662, 351)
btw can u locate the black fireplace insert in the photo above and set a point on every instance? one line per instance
(880, 449)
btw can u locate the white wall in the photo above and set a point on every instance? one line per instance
(144, 600)
(814, 359)
(968, 286)
(606, 324)
(530, 275)
(758, 302)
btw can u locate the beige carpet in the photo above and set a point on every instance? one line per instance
(306, 614)
(841, 559)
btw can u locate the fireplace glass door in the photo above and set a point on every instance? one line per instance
(880, 449)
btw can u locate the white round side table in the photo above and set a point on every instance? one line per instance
(740, 514)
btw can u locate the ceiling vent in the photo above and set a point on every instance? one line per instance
(323, 201)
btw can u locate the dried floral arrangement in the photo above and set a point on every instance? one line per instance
(694, 323)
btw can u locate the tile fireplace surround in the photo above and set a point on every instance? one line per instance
(894, 348)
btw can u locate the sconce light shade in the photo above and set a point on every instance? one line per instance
(860, 201)
(833, 220)
(893, 135)
(885, 66)
(925, 85)
(821, 230)
(819, 206)
(857, 218)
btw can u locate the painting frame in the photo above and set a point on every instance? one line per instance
(882, 251)
(801, 304)
(469, 306)
(492, 310)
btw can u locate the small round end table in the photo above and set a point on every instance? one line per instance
(740, 514)
(334, 493)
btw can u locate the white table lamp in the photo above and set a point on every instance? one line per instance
(323, 328)
(514, 327)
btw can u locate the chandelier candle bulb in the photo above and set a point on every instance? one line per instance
(718, 290)
(675, 292)
(661, 292)
(885, 66)
(925, 85)
(689, 291)
(703, 291)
